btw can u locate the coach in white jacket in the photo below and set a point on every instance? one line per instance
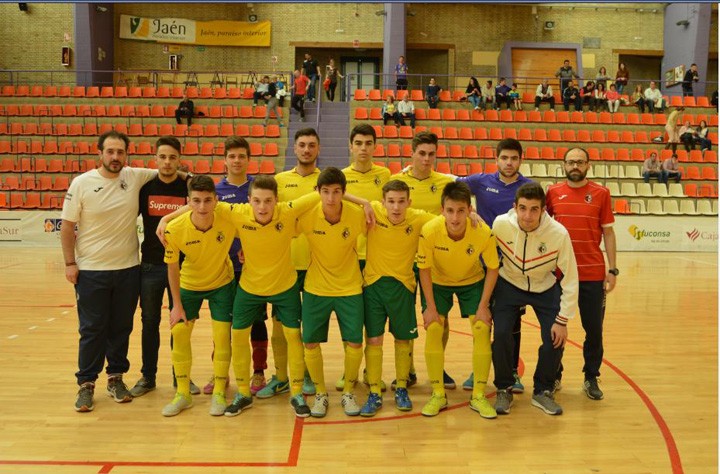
(533, 246)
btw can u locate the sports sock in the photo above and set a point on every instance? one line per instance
(182, 355)
(221, 361)
(435, 356)
(295, 358)
(280, 350)
(402, 362)
(412, 359)
(241, 360)
(446, 333)
(481, 356)
(314, 364)
(373, 364)
(353, 359)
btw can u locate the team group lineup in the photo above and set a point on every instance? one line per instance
(357, 242)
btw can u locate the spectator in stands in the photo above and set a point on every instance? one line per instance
(566, 74)
(613, 98)
(701, 136)
(638, 98)
(514, 95)
(687, 134)
(544, 93)
(488, 95)
(281, 92)
(272, 102)
(401, 70)
(311, 69)
(587, 92)
(571, 94)
(432, 94)
(672, 129)
(600, 98)
(389, 111)
(502, 91)
(186, 108)
(261, 89)
(299, 87)
(714, 99)
(332, 73)
(406, 110)
(654, 99)
(671, 169)
(473, 94)
(622, 76)
(652, 168)
(602, 77)
(691, 76)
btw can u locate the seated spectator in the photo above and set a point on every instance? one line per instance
(272, 102)
(281, 92)
(571, 94)
(186, 108)
(261, 89)
(652, 168)
(514, 95)
(544, 93)
(600, 98)
(602, 77)
(701, 138)
(687, 135)
(488, 95)
(406, 109)
(502, 96)
(587, 92)
(638, 98)
(670, 169)
(654, 99)
(472, 93)
(389, 111)
(432, 94)
(613, 99)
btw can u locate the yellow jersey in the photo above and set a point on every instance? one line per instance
(425, 193)
(456, 263)
(268, 268)
(207, 265)
(368, 186)
(392, 247)
(334, 269)
(290, 187)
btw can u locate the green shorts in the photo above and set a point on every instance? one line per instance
(249, 308)
(468, 297)
(219, 299)
(385, 299)
(316, 312)
(301, 279)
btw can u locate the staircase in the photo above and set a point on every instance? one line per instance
(334, 131)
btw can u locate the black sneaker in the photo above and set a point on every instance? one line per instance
(412, 380)
(592, 389)
(302, 410)
(143, 386)
(117, 389)
(239, 404)
(84, 400)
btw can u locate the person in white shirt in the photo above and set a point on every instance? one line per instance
(101, 261)
(653, 98)
(544, 93)
(406, 109)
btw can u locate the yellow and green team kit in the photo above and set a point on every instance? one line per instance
(425, 193)
(367, 185)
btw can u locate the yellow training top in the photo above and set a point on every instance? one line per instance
(425, 193)
(456, 263)
(368, 186)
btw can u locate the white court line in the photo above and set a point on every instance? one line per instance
(50, 320)
(698, 261)
(14, 336)
(32, 328)
(64, 312)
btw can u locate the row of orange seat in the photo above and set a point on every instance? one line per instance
(23, 200)
(32, 183)
(149, 92)
(139, 130)
(157, 111)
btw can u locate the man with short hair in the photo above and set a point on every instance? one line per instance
(571, 94)
(502, 94)
(691, 76)
(261, 89)
(185, 108)
(671, 169)
(585, 209)
(533, 246)
(487, 95)
(401, 70)
(311, 69)
(406, 109)
(101, 261)
(566, 74)
(652, 168)
(544, 93)
(654, 98)
(299, 87)
(449, 253)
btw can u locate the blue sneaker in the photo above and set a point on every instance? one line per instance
(469, 384)
(402, 400)
(518, 386)
(373, 404)
(273, 388)
(448, 381)
(308, 387)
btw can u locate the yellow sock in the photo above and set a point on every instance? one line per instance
(481, 356)
(373, 363)
(280, 350)
(402, 362)
(314, 364)
(412, 359)
(353, 359)
(294, 348)
(446, 332)
(241, 359)
(435, 357)
(221, 361)
(182, 355)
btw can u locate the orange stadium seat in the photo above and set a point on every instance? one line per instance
(219, 93)
(554, 135)
(520, 116)
(360, 94)
(531, 152)
(562, 117)
(476, 168)
(267, 167)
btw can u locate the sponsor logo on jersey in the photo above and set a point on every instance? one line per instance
(318, 232)
(192, 242)
(246, 227)
(159, 206)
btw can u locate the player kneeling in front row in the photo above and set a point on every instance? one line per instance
(206, 274)
(449, 254)
(533, 247)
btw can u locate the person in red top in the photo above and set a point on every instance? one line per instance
(584, 208)
(300, 85)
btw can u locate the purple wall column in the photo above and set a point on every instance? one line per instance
(94, 35)
(394, 39)
(687, 44)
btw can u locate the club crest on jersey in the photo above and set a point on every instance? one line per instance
(377, 181)
(409, 229)
(220, 237)
(345, 233)
(279, 227)
(433, 188)
(123, 185)
(588, 198)
(542, 248)
(470, 250)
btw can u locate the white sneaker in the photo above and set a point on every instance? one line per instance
(350, 405)
(218, 404)
(179, 403)
(319, 408)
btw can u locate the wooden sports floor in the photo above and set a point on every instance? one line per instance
(660, 378)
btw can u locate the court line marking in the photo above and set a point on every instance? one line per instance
(697, 261)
